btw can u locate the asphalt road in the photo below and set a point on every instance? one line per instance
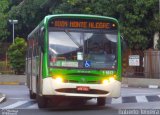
(132, 101)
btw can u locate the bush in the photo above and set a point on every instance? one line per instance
(16, 53)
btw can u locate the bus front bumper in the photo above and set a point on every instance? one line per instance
(51, 87)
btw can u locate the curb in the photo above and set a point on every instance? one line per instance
(147, 86)
(2, 97)
(12, 83)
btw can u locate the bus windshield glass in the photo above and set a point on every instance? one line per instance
(83, 49)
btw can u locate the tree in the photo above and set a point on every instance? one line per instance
(16, 53)
(139, 19)
(4, 5)
(29, 14)
(72, 6)
(135, 16)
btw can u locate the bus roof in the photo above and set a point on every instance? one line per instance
(81, 16)
(46, 18)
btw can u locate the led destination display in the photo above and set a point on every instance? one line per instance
(85, 24)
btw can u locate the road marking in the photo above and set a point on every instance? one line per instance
(153, 98)
(19, 98)
(34, 106)
(153, 86)
(14, 105)
(150, 93)
(31, 104)
(130, 99)
(26, 104)
(141, 99)
(1, 99)
(116, 101)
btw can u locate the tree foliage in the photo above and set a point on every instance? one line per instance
(28, 13)
(139, 19)
(16, 53)
(4, 5)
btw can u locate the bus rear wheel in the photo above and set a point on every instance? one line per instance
(42, 101)
(32, 95)
(101, 101)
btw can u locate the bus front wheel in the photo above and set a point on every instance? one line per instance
(101, 101)
(42, 101)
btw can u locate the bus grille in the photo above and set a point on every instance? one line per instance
(86, 82)
(73, 90)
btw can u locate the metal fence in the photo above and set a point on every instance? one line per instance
(141, 64)
(152, 64)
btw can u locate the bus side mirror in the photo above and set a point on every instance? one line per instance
(123, 44)
(42, 44)
(41, 39)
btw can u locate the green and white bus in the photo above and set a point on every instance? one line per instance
(75, 56)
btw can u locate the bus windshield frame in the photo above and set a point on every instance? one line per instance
(82, 59)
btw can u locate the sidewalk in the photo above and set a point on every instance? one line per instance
(140, 82)
(2, 97)
(12, 79)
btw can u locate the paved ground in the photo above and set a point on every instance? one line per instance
(21, 103)
(17, 101)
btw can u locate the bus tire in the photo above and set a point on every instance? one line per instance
(101, 101)
(32, 95)
(42, 101)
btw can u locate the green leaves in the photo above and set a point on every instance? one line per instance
(29, 13)
(16, 54)
(4, 5)
(139, 19)
(135, 18)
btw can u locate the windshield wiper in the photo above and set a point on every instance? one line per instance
(72, 38)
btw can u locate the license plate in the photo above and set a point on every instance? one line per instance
(82, 88)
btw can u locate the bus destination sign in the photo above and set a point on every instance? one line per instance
(85, 24)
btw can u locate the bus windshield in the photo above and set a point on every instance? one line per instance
(83, 49)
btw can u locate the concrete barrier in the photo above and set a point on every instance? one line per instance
(141, 82)
(12, 79)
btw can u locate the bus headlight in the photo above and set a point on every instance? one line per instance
(105, 81)
(111, 79)
(58, 79)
